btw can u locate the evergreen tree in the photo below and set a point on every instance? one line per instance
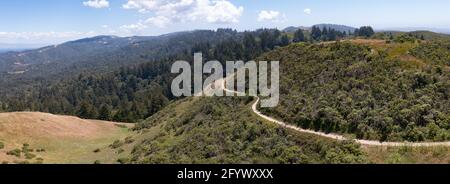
(104, 113)
(324, 34)
(251, 49)
(366, 31)
(316, 33)
(332, 35)
(284, 40)
(299, 36)
(87, 111)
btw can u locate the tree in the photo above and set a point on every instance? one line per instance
(299, 36)
(391, 37)
(86, 110)
(284, 40)
(332, 35)
(316, 33)
(104, 113)
(365, 31)
(324, 34)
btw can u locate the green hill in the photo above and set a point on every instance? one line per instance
(224, 130)
(369, 89)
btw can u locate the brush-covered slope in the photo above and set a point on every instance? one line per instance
(30, 137)
(369, 89)
(224, 130)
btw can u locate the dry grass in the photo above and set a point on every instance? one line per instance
(66, 139)
(408, 155)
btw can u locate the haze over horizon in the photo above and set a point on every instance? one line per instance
(52, 21)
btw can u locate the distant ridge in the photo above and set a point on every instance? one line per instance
(336, 27)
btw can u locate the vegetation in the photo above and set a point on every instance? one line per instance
(365, 31)
(58, 139)
(396, 89)
(15, 152)
(224, 130)
(367, 91)
(134, 93)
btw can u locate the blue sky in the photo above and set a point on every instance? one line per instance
(55, 21)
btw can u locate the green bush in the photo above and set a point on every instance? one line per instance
(26, 148)
(116, 144)
(2, 145)
(29, 156)
(15, 152)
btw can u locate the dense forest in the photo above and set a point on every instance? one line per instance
(377, 90)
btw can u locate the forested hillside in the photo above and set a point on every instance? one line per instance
(135, 91)
(375, 89)
(224, 130)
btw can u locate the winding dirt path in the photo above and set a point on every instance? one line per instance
(331, 136)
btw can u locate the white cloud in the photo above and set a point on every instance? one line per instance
(307, 11)
(42, 37)
(158, 21)
(268, 15)
(172, 11)
(134, 27)
(97, 3)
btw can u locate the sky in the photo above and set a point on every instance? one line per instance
(56, 21)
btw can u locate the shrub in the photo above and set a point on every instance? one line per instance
(26, 149)
(97, 162)
(39, 160)
(29, 156)
(116, 144)
(129, 140)
(120, 151)
(97, 150)
(123, 160)
(15, 152)
(2, 145)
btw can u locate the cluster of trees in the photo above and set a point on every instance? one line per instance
(245, 47)
(225, 131)
(346, 88)
(128, 95)
(364, 31)
(326, 34)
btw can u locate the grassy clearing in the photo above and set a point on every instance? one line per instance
(65, 139)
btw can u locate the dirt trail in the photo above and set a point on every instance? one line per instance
(332, 136)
